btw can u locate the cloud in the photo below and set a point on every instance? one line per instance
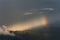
(28, 13)
(51, 9)
(4, 31)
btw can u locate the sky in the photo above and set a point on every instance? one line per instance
(13, 10)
